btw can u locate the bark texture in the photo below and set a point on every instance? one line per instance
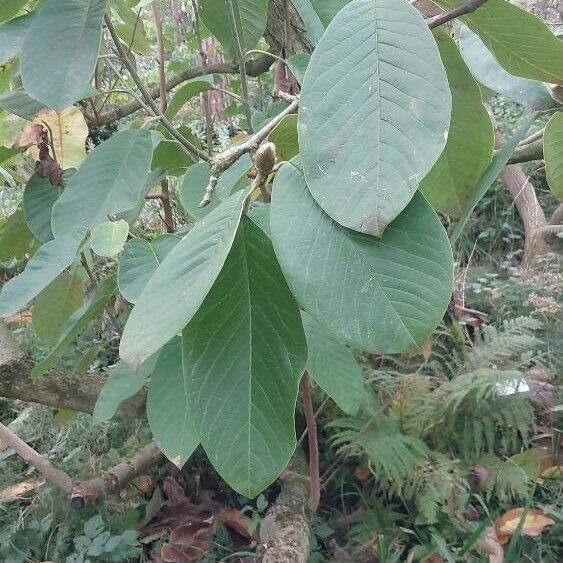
(285, 531)
(57, 388)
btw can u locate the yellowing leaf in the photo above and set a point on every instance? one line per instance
(69, 132)
(535, 522)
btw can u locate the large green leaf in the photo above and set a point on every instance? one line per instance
(553, 154)
(168, 412)
(490, 174)
(469, 147)
(16, 240)
(484, 67)
(108, 238)
(138, 262)
(47, 263)
(244, 353)
(382, 295)
(297, 64)
(333, 367)
(521, 43)
(12, 34)
(111, 180)
(187, 91)
(76, 324)
(196, 179)
(60, 51)
(39, 197)
(55, 304)
(374, 112)
(179, 285)
(172, 157)
(250, 18)
(317, 14)
(121, 384)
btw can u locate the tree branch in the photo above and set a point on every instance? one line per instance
(286, 529)
(528, 152)
(307, 398)
(90, 491)
(58, 388)
(557, 217)
(220, 162)
(241, 62)
(36, 460)
(189, 146)
(166, 203)
(253, 68)
(467, 8)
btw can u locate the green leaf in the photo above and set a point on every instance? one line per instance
(108, 238)
(76, 324)
(333, 367)
(490, 175)
(111, 180)
(55, 304)
(520, 42)
(191, 266)
(196, 179)
(121, 384)
(171, 156)
(12, 34)
(16, 240)
(383, 295)
(298, 65)
(187, 91)
(470, 143)
(39, 197)
(284, 136)
(244, 353)
(134, 37)
(47, 263)
(138, 262)
(168, 412)
(489, 73)
(10, 8)
(553, 154)
(60, 51)
(261, 118)
(21, 104)
(374, 113)
(250, 19)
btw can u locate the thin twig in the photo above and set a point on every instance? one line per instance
(188, 146)
(204, 95)
(220, 162)
(36, 460)
(467, 8)
(166, 203)
(307, 398)
(317, 413)
(241, 62)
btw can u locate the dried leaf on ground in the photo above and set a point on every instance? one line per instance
(535, 522)
(489, 543)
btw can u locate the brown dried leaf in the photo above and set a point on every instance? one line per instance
(237, 521)
(172, 554)
(20, 490)
(31, 135)
(362, 473)
(534, 523)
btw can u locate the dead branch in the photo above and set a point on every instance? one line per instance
(91, 491)
(454, 13)
(36, 460)
(285, 530)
